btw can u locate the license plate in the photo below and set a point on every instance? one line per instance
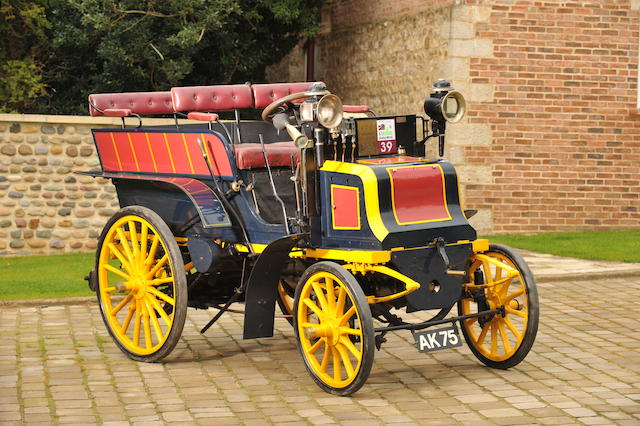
(438, 339)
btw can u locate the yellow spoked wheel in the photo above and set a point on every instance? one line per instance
(141, 284)
(334, 328)
(500, 277)
(285, 300)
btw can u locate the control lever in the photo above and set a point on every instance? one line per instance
(273, 185)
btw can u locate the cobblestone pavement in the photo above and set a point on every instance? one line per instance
(59, 365)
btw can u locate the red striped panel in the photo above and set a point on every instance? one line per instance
(199, 164)
(180, 159)
(220, 164)
(160, 152)
(124, 151)
(141, 149)
(417, 194)
(106, 150)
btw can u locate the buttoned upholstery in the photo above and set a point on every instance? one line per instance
(264, 94)
(250, 156)
(212, 98)
(135, 102)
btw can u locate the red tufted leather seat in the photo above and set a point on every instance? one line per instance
(249, 155)
(212, 98)
(141, 103)
(264, 94)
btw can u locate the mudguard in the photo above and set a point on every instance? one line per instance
(260, 298)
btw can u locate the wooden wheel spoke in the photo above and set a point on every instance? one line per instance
(122, 304)
(344, 356)
(331, 297)
(308, 324)
(163, 261)
(161, 295)
(349, 345)
(337, 371)
(483, 334)
(159, 281)
(325, 358)
(515, 312)
(503, 334)
(124, 242)
(116, 271)
(470, 321)
(159, 310)
(513, 295)
(136, 324)
(513, 329)
(133, 235)
(146, 322)
(152, 250)
(313, 348)
(127, 320)
(342, 296)
(352, 331)
(320, 295)
(314, 308)
(144, 241)
(113, 249)
(494, 339)
(345, 318)
(154, 320)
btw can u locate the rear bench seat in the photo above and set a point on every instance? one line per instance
(125, 104)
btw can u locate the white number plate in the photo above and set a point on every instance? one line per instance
(436, 340)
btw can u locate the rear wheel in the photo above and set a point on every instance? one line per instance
(141, 284)
(501, 278)
(285, 300)
(334, 329)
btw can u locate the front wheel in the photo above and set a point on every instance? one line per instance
(334, 328)
(500, 278)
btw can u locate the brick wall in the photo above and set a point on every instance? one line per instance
(552, 138)
(565, 148)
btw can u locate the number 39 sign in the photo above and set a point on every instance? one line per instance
(386, 136)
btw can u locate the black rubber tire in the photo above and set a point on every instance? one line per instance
(364, 312)
(533, 312)
(177, 265)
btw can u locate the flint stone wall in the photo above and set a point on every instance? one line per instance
(45, 207)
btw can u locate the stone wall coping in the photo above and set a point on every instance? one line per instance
(80, 119)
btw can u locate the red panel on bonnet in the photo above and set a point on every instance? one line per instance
(249, 155)
(417, 194)
(264, 94)
(137, 102)
(345, 205)
(212, 98)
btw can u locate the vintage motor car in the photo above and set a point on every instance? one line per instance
(331, 212)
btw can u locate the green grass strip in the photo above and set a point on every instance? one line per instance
(620, 246)
(42, 277)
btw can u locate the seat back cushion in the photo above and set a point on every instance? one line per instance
(212, 98)
(264, 94)
(249, 155)
(137, 102)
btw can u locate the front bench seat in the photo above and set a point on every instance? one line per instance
(249, 156)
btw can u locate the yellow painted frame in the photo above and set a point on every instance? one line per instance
(444, 195)
(333, 208)
(370, 186)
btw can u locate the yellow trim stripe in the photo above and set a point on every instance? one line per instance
(186, 148)
(115, 148)
(166, 142)
(370, 185)
(153, 158)
(135, 157)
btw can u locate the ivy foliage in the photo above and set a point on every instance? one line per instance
(93, 46)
